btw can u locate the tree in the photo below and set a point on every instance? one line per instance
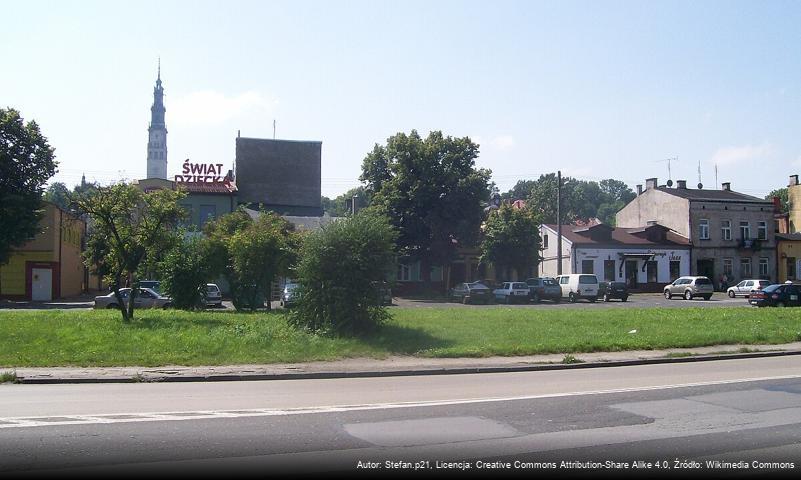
(58, 194)
(784, 198)
(431, 191)
(128, 227)
(252, 253)
(26, 163)
(521, 190)
(581, 200)
(341, 270)
(185, 270)
(511, 240)
(341, 206)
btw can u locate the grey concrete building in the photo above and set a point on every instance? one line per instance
(730, 233)
(281, 175)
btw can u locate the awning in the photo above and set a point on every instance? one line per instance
(645, 257)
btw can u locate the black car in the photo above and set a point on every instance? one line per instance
(544, 289)
(779, 295)
(610, 290)
(475, 292)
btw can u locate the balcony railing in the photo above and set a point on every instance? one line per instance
(750, 243)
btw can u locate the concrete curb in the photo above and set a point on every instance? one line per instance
(367, 373)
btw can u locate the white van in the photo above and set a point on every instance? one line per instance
(577, 286)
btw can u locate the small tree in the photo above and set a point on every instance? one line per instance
(185, 270)
(340, 273)
(511, 239)
(250, 254)
(128, 226)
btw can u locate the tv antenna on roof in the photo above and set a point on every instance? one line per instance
(668, 160)
(700, 185)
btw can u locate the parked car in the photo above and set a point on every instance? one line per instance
(511, 292)
(145, 298)
(544, 288)
(610, 290)
(154, 285)
(690, 287)
(289, 295)
(778, 295)
(745, 287)
(213, 295)
(579, 285)
(475, 292)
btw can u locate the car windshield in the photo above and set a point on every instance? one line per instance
(588, 279)
(212, 288)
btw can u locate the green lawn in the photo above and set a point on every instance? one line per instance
(99, 338)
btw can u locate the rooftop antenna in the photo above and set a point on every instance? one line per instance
(668, 160)
(716, 174)
(273, 129)
(700, 185)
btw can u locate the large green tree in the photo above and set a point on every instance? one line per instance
(341, 205)
(26, 163)
(511, 240)
(431, 191)
(128, 226)
(784, 198)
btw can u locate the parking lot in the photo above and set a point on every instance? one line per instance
(637, 300)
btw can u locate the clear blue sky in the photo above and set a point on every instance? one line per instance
(597, 89)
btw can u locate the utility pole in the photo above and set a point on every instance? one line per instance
(559, 222)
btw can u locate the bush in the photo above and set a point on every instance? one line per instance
(185, 270)
(340, 273)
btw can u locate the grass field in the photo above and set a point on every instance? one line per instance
(99, 338)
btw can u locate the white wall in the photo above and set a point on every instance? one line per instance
(662, 259)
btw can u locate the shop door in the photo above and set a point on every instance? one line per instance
(631, 273)
(41, 284)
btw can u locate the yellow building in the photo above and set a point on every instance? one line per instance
(788, 251)
(49, 266)
(794, 197)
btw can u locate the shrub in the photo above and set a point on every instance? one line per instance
(340, 272)
(185, 270)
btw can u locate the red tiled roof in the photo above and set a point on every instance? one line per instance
(202, 187)
(620, 237)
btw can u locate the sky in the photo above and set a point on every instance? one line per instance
(596, 89)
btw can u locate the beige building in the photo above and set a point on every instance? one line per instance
(730, 233)
(794, 198)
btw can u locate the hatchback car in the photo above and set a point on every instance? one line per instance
(745, 287)
(145, 298)
(512, 292)
(689, 288)
(779, 295)
(475, 292)
(610, 290)
(213, 295)
(544, 288)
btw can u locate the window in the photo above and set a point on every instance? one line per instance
(762, 231)
(745, 231)
(609, 270)
(728, 268)
(650, 272)
(763, 267)
(675, 268)
(745, 267)
(545, 241)
(587, 266)
(404, 273)
(703, 229)
(725, 229)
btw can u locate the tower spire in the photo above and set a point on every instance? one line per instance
(159, 74)
(157, 133)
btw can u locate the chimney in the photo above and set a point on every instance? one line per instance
(726, 186)
(650, 183)
(793, 180)
(777, 205)
(639, 190)
(681, 184)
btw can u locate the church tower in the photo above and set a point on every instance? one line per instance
(157, 140)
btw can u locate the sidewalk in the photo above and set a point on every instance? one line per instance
(394, 366)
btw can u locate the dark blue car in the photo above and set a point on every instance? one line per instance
(779, 295)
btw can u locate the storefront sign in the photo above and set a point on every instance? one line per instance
(201, 173)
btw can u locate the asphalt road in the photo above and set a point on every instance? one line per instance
(744, 413)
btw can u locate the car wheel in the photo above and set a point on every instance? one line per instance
(593, 299)
(731, 293)
(668, 295)
(688, 295)
(572, 298)
(606, 297)
(557, 300)
(625, 298)
(707, 297)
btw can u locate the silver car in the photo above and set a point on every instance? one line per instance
(146, 298)
(745, 287)
(690, 287)
(213, 295)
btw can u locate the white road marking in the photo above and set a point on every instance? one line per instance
(128, 417)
